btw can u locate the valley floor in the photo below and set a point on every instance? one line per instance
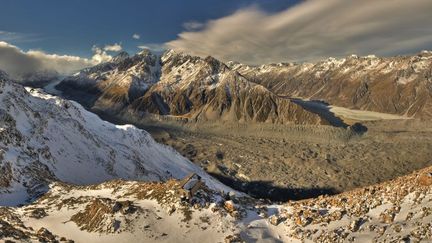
(281, 162)
(296, 162)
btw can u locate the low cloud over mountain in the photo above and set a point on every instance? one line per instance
(20, 64)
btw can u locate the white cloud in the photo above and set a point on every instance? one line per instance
(312, 30)
(153, 47)
(20, 64)
(136, 36)
(100, 55)
(114, 47)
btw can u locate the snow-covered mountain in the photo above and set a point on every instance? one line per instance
(180, 86)
(45, 138)
(398, 85)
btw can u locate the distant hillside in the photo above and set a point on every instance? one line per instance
(398, 85)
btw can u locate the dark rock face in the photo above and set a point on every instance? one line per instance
(5, 173)
(399, 85)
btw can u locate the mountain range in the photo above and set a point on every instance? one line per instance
(179, 86)
(398, 85)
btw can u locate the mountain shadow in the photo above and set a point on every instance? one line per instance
(266, 189)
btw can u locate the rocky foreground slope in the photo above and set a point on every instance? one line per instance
(180, 86)
(398, 85)
(45, 138)
(127, 211)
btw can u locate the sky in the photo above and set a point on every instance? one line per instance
(65, 36)
(73, 27)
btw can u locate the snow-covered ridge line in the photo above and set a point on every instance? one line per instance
(423, 55)
(44, 138)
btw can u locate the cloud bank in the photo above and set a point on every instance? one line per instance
(21, 64)
(100, 55)
(114, 47)
(313, 30)
(136, 36)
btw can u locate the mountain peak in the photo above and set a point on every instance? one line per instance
(121, 56)
(144, 52)
(215, 64)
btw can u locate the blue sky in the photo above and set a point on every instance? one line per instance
(67, 35)
(73, 27)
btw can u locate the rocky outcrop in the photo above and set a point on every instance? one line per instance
(397, 210)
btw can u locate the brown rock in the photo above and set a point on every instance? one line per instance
(45, 235)
(355, 225)
(275, 220)
(229, 206)
(171, 210)
(387, 217)
(425, 179)
(38, 213)
(233, 239)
